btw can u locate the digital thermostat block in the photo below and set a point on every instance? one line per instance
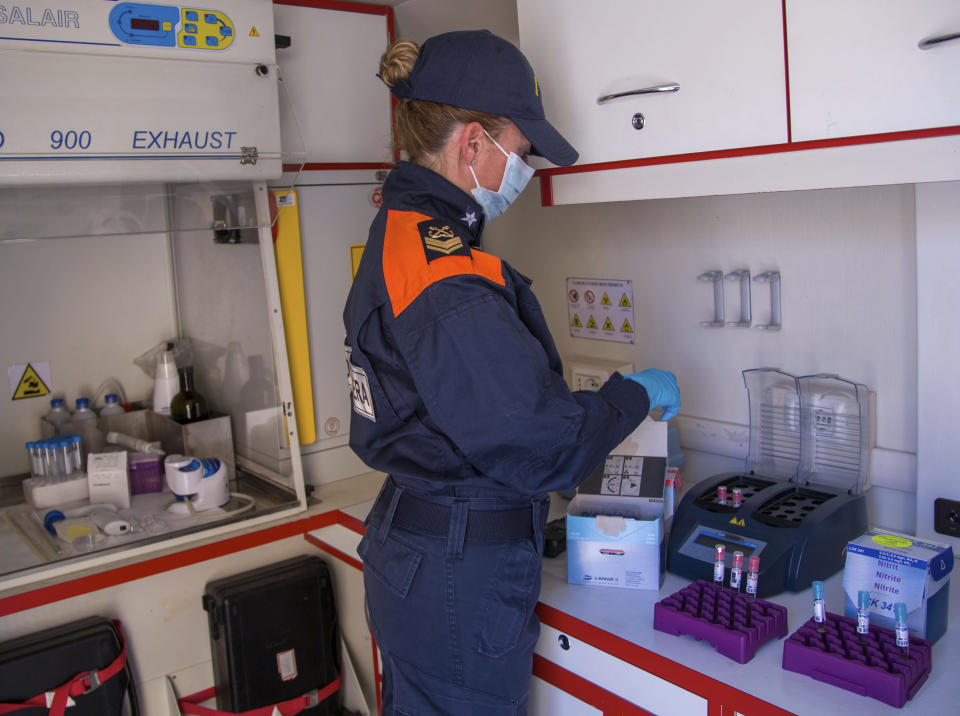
(135, 23)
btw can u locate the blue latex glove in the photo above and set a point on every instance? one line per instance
(661, 387)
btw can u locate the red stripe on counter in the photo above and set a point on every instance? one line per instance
(655, 664)
(350, 522)
(584, 690)
(786, 68)
(157, 565)
(753, 151)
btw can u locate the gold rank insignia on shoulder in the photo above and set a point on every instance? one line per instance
(439, 240)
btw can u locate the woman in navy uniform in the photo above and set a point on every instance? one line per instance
(458, 390)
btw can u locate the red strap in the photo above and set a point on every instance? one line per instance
(191, 704)
(80, 684)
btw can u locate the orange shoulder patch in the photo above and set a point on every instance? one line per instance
(406, 268)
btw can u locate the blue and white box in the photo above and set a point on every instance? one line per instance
(615, 532)
(899, 568)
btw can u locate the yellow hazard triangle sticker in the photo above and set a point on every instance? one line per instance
(253, 32)
(738, 522)
(626, 327)
(605, 301)
(576, 321)
(31, 385)
(591, 323)
(625, 302)
(608, 325)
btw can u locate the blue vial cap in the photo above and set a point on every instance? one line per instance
(31, 445)
(51, 517)
(56, 403)
(900, 612)
(110, 398)
(76, 439)
(818, 590)
(863, 600)
(83, 403)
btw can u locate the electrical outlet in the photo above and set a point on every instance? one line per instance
(946, 516)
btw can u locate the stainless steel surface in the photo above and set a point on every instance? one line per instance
(930, 42)
(658, 89)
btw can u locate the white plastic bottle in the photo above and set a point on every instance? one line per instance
(58, 412)
(83, 411)
(167, 382)
(111, 405)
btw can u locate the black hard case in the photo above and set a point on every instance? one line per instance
(42, 661)
(257, 615)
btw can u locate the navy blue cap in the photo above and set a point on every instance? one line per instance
(475, 69)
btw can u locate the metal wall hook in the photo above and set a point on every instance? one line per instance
(773, 278)
(717, 278)
(743, 276)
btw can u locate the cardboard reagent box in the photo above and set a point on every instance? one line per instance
(899, 568)
(108, 479)
(615, 533)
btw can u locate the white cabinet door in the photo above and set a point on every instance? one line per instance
(616, 676)
(333, 109)
(855, 67)
(549, 700)
(728, 59)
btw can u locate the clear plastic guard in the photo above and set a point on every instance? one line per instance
(774, 423)
(836, 428)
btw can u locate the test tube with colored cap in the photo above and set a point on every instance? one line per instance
(753, 576)
(900, 627)
(719, 566)
(737, 497)
(722, 494)
(819, 609)
(863, 615)
(736, 571)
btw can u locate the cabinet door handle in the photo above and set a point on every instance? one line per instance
(928, 42)
(672, 87)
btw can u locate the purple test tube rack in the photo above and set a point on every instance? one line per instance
(724, 618)
(872, 667)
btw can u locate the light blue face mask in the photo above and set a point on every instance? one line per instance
(516, 175)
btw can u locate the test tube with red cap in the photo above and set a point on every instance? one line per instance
(737, 497)
(719, 566)
(722, 494)
(736, 571)
(753, 576)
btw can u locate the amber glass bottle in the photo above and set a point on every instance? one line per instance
(188, 406)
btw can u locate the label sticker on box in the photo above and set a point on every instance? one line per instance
(287, 665)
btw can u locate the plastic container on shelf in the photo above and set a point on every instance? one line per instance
(111, 406)
(58, 412)
(167, 383)
(84, 411)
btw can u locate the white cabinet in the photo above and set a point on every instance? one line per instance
(607, 679)
(727, 58)
(333, 108)
(856, 68)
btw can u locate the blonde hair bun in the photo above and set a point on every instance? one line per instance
(397, 62)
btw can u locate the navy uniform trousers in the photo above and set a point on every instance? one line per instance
(451, 585)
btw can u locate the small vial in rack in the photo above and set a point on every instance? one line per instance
(863, 616)
(722, 494)
(901, 630)
(719, 566)
(753, 576)
(736, 571)
(819, 609)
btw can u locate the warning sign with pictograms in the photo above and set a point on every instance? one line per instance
(29, 380)
(608, 305)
